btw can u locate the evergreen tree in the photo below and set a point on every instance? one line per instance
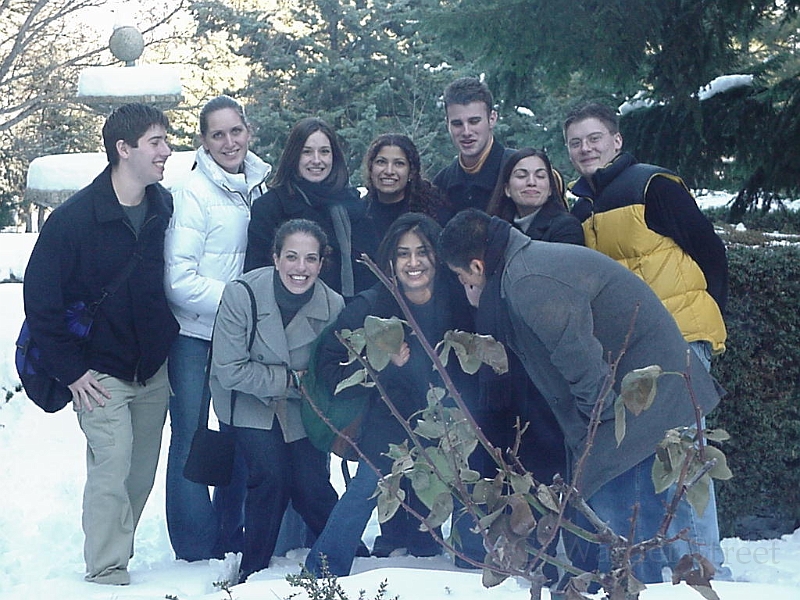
(366, 67)
(665, 50)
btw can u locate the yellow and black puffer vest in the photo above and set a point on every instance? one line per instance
(614, 224)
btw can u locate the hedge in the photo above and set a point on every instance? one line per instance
(761, 372)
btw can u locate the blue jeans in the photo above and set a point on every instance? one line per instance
(191, 520)
(707, 525)
(342, 534)
(614, 503)
(200, 529)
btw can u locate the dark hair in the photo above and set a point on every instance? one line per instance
(128, 123)
(422, 196)
(412, 156)
(464, 238)
(299, 226)
(467, 90)
(286, 173)
(592, 110)
(425, 227)
(501, 205)
(219, 103)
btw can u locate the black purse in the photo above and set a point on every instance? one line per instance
(47, 392)
(210, 460)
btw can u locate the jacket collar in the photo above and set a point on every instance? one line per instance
(107, 207)
(300, 331)
(255, 173)
(541, 219)
(487, 176)
(594, 186)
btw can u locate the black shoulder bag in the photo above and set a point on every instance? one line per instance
(210, 460)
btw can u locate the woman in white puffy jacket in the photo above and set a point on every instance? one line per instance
(205, 246)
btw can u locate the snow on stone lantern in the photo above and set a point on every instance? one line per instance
(52, 179)
(104, 88)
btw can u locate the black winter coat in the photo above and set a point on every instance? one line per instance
(554, 224)
(471, 191)
(278, 205)
(83, 246)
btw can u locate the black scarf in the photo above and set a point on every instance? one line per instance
(319, 194)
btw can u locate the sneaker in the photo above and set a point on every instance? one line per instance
(383, 547)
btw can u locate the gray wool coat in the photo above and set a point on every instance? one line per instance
(260, 376)
(571, 308)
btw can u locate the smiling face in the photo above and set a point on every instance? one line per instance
(415, 267)
(529, 185)
(470, 126)
(389, 174)
(299, 262)
(316, 158)
(591, 145)
(226, 139)
(145, 161)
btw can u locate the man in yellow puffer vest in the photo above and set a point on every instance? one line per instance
(644, 217)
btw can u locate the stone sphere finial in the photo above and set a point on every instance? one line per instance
(126, 44)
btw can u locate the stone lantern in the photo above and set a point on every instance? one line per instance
(54, 178)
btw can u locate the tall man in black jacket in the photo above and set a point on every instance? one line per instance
(469, 180)
(118, 378)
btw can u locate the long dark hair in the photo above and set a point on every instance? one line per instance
(502, 206)
(286, 173)
(422, 196)
(425, 227)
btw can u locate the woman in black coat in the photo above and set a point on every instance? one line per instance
(530, 195)
(311, 182)
(438, 304)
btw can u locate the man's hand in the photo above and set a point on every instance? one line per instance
(86, 390)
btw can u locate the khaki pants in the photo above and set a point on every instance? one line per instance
(123, 441)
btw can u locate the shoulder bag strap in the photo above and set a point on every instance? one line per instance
(254, 318)
(202, 420)
(112, 287)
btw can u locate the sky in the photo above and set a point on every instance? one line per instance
(41, 480)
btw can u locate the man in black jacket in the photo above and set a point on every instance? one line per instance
(469, 180)
(118, 377)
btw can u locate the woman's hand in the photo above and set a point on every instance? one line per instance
(401, 358)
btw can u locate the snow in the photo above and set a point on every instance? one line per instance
(718, 85)
(139, 80)
(42, 474)
(72, 172)
(723, 84)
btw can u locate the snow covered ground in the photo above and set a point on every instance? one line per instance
(41, 481)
